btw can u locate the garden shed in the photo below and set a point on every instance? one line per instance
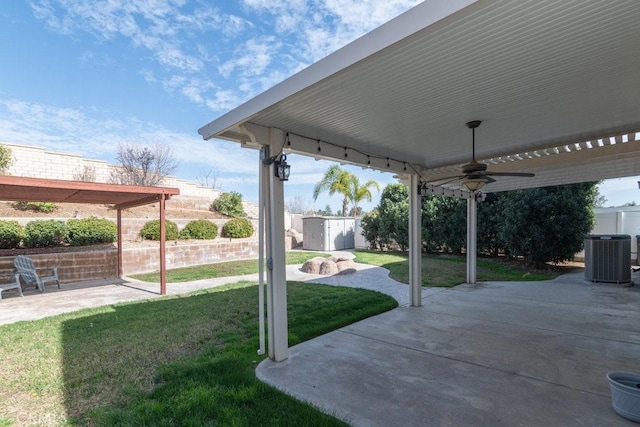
(328, 233)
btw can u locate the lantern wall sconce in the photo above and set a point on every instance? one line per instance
(282, 169)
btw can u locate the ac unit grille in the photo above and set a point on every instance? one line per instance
(608, 258)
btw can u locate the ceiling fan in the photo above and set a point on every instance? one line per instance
(475, 174)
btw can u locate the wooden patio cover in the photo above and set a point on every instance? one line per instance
(15, 188)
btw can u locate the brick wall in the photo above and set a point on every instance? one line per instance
(72, 266)
(185, 254)
(103, 264)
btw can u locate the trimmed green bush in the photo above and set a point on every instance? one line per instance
(46, 232)
(151, 230)
(91, 231)
(229, 204)
(46, 207)
(199, 229)
(237, 228)
(11, 234)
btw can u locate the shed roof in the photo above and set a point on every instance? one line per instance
(555, 83)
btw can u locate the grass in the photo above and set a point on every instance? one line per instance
(182, 360)
(450, 270)
(222, 269)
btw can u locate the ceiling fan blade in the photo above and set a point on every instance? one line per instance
(521, 174)
(445, 180)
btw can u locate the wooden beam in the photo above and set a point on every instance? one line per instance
(163, 268)
(119, 242)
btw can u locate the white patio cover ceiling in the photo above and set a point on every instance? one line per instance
(555, 83)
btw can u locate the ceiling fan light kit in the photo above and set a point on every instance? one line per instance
(475, 174)
(473, 184)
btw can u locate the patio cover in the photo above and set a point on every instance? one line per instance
(15, 188)
(555, 83)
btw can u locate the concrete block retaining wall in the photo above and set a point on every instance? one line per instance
(72, 266)
(101, 264)
(185, 254)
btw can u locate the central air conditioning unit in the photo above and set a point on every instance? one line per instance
(608, 258)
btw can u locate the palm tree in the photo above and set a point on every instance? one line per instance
(338, 180)
(360, 193)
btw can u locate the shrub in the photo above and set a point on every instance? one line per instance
(11, 234)
(91, 231)
(42, 233)
(46, 207)
(6, 158)
(200, 229)
(237, 228)
(151, 230)
(229, 204)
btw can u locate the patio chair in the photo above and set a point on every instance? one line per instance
(11, 285)
(28, 273)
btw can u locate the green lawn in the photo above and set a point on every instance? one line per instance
(450, 270)
(222, 269)
(182, 360)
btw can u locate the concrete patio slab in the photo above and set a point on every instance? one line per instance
(526, 353)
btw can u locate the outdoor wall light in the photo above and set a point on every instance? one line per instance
(282, 169)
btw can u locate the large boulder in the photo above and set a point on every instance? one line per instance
(312, 266)
(328, 267)
(346, 266)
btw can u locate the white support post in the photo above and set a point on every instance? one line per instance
(415, 242)
(472, 232)
(276, 265)
(262, 171)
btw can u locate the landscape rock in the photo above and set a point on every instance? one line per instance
(328, 267)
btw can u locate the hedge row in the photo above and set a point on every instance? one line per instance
(44, 233)
(90, 231)
(198, 229)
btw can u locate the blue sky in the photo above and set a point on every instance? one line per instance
(83, 76)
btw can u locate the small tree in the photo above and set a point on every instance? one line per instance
(297, 205)
(87, 174)
(6, 158)
(394, 216)
(326, 211)
(146, 166)
(370, 224)
(549, 223)
(360, 193)
(336, 180)
(209, 180)
(229, 204)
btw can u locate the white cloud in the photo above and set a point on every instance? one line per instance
(232, 57)
(80, 132)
